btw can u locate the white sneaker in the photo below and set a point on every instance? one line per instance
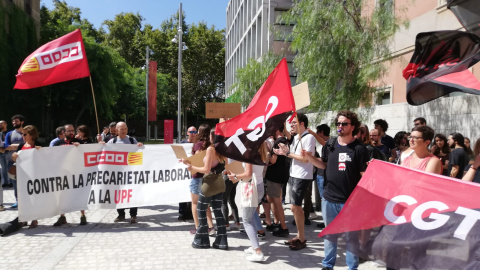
(255, 257)
(313, 215)
(249, 250)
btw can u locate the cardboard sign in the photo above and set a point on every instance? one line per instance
(196, 160)
(222, 110)
(236, 167)
(301, 95)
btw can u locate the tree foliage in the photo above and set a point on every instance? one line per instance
(251, 77)
(340, 48)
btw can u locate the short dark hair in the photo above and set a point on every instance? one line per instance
(382, 123)
(427, 132)
(59, 130)
(421, 119)
(112, 124)
(302, 118)
(457, 137)
(325, 129)
(19, 117)
(352, 117)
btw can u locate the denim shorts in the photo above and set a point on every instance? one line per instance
(196, 185)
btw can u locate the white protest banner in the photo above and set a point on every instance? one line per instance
(56, 180)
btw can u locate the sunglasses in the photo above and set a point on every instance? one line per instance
(24, 134)
(344, 124)
(192, 132)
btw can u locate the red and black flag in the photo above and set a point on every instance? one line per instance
(439, 65)
(467, 13)
(240, 137)
(412, 219)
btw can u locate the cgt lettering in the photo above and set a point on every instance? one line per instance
(438, 219)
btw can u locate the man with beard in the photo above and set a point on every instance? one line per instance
(69, 140)
(344, 160)
(301, 176)
(12, 140)
(375, 137)
(458, 156)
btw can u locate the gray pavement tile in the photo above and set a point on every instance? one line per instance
(158, 241)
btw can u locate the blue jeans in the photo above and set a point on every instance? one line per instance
(320, 182)
(196, 185)
(329, 211)
(4, 164)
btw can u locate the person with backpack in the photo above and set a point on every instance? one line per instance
(123, 138)
(344, 159)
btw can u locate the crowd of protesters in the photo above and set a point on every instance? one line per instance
(293, 160)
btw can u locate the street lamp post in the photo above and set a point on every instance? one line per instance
(179, 34)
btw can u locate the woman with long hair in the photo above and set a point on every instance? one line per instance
(470, 153)
(214, 163)
(401, 145)
(30, 136)
(441, 150)
(471, 172)
(201, 143)
(251, 219)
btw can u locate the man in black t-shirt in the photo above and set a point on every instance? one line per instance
(344, 160)
(382, 127)
(458, 156)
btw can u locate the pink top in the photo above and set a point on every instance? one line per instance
(422, 166)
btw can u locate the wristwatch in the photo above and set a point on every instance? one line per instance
(287, 153)
(235, 176)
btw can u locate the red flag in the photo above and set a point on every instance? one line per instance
(240, 137)
(152, 91)
(413, 219)
(60, 60)
(439, 66)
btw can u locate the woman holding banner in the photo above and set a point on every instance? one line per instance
(214, 164)
(30, 136)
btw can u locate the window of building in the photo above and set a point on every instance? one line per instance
(383, 96)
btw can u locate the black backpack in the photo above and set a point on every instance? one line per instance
(130, 138)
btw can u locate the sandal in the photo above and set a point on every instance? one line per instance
(289, 242)
(34, 224)
(298, 244)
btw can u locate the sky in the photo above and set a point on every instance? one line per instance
(212, 12)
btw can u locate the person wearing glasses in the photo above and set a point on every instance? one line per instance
(345, 160)
(191, 134)
(30, 136)
(69, 139)
(422, 159)
(184, 212)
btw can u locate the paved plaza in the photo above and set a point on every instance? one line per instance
(158, 241)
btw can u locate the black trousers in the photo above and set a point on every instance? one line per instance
(133, 212)
(201, 236)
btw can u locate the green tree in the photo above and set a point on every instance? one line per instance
(252, 76)
(125, 35)
(340, 49)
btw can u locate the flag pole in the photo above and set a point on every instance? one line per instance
(94, 104)
(298, 132)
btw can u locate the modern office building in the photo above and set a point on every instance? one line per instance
(30, 7)
(249, 34)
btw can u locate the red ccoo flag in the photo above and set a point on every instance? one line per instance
(62, 59)
(240, 137)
